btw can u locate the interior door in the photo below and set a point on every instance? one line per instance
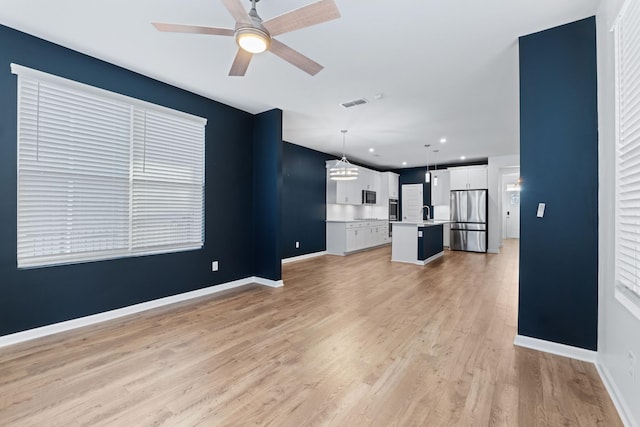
(513, 215)
(412, 202)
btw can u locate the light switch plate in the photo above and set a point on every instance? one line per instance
(541, 207)
(214, 266)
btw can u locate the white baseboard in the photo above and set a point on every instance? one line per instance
(303, 257)
(556, 348)
(617, 397)
(268, 282)
(93, 319)
(493, 251)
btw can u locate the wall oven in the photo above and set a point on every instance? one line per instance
(394, 212)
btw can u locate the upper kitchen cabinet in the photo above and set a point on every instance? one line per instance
(350, 192)
(368, 179)
(468, 178)
(393, 180)
(343, 192)
(389, 183)
(440, 187)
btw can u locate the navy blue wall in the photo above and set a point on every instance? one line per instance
(304, 191)
(267, 197)
(36, 297)
(559, 166)
(431, 242)
(414, 176)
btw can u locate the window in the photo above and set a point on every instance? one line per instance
(627, 255)
(101, 175)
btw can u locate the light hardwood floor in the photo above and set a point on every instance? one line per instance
(349, 341)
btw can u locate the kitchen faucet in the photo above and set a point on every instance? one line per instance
(428, 212)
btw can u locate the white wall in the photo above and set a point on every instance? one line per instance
(347, 212)
(497, 163)
(618, 329)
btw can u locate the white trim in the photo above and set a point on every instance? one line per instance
(616, 396)
(303, 257)
(268, 282)
(21, 71)
(93, 319)
(493, 251)
(555, 348)
(433, 258)
(628, 299)
(421, 262)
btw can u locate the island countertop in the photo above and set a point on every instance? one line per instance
(426, 223)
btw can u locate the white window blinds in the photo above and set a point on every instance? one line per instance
(101, 175)
(627, 33)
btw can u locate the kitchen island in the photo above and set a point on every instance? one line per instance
(417, 242)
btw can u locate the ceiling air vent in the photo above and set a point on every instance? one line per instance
(355, 102)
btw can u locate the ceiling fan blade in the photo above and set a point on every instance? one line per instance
(294, 57)
(306, 16)
(240, 63)
(236, 10)
(195, 29)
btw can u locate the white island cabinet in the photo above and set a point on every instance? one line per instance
(344, 237)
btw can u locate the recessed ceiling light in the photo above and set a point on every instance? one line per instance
(443, 140)
(462, 157)
(404, 163)
(371, 150)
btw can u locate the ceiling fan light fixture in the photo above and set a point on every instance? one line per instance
(252, 39)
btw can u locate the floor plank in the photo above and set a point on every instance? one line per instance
(348, 341)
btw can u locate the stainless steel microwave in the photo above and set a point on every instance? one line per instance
(368, 197)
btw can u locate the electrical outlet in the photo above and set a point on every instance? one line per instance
(631, 365)
(297, 245)
(214, 265)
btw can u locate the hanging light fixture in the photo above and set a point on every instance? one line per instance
(343, 170)
(435, 158)
(427, 175)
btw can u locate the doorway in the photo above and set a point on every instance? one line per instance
(511, 206)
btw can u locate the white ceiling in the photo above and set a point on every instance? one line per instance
(446, 68)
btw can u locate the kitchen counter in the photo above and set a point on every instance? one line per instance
(417, 242)
(425, 223)
(356, 220)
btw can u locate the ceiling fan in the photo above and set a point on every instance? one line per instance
(254, 36)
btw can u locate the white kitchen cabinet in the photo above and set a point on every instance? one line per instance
(369, 179)
(388, 187)
(350, 192)
(344, 237)
(393, 183)
(468, 178)
(440, 187)
(342, 192)
(354, 239)
(446, 235)
(477, 178)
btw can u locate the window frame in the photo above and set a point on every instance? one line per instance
(623, 294)
(135, 105)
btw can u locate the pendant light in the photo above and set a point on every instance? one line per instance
(435, 158)
(427, 175)
(343, 170)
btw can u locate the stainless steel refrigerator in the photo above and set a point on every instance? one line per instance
(469, 220)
